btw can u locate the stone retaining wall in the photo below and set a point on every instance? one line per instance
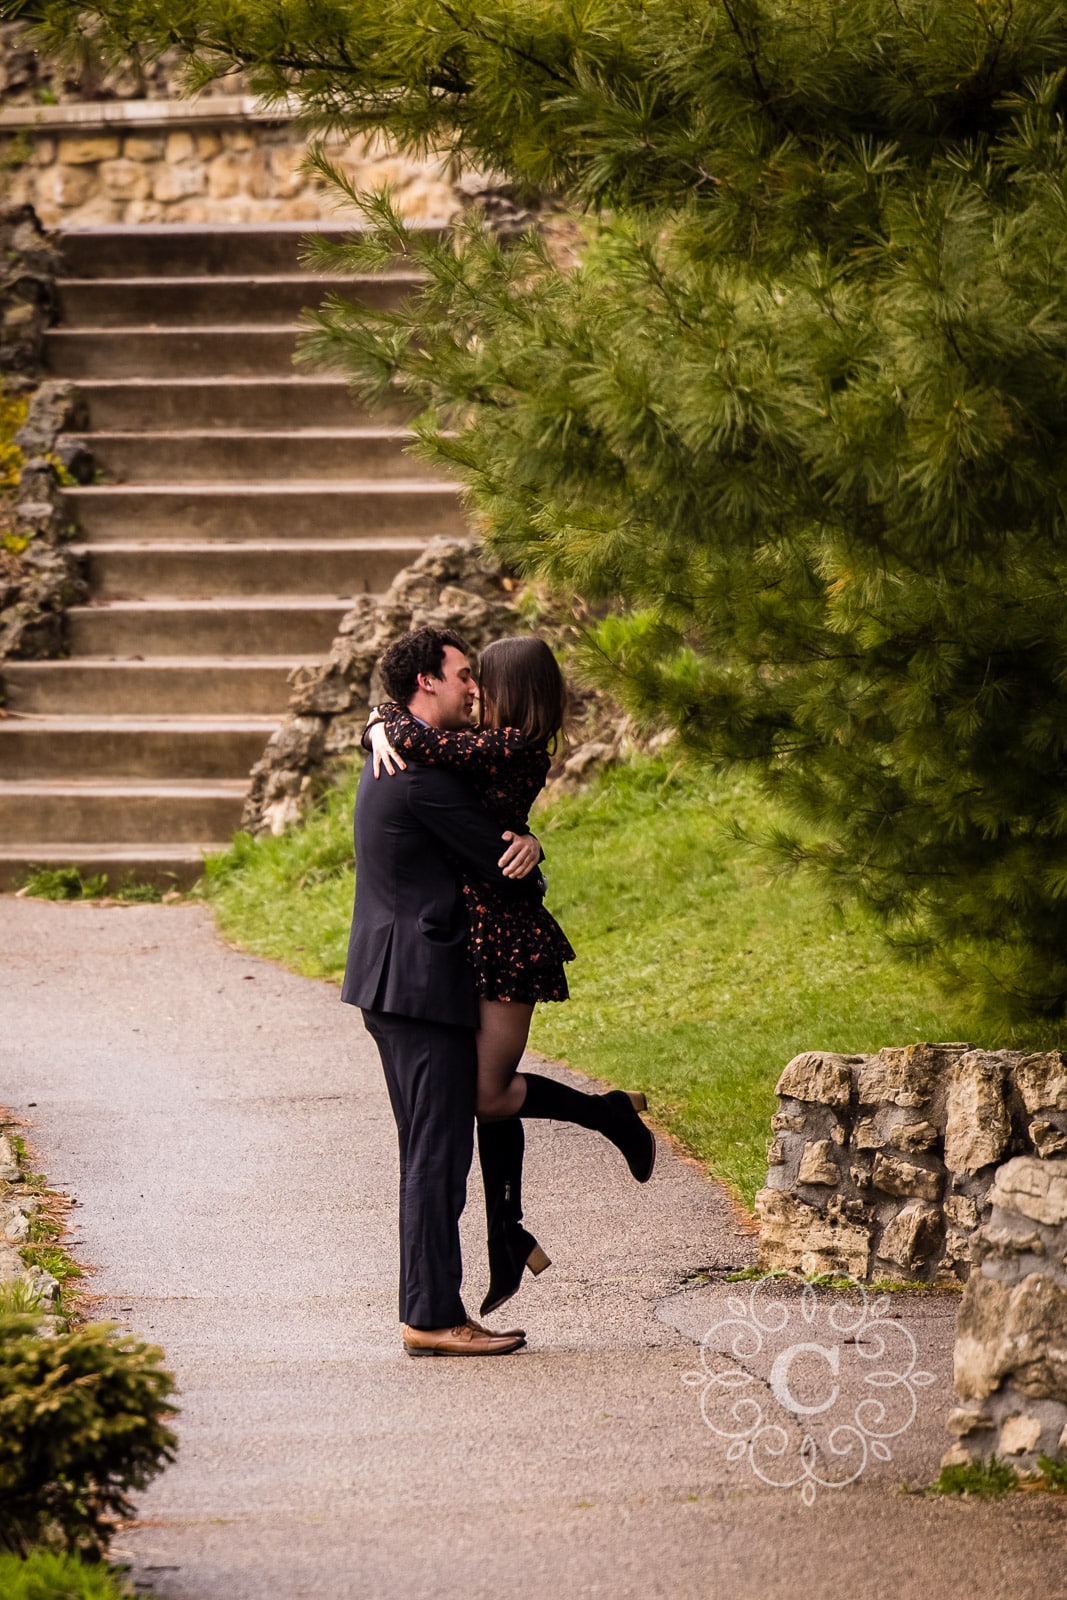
(1011, 1335)
(39, 576)
(222, 161)
(882, 1165)
(19, 1202)
(128, 146)
(453, 584)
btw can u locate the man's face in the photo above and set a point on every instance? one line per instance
(453, 694)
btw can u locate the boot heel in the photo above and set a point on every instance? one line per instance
(537, 1261)
(638, 1100)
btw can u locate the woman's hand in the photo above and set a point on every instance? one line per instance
(382, 752)
(521, 855)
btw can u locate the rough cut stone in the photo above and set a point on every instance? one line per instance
(904, 1077)
(798, 1238)
(962, 1210)
(838, 1205)
(181, 146)
(1048, 1139)
(782, 1122)
(9, 1167)
(1019, 1435)
(1007, 1243)
(79, 152)
(124, 180)
(142, 147)
(14, 1224)
(1018, 1333)
(176, 183)
(817, 1164)
(1042, 1081)
(911, 1236)
(775, 1153)
(818, 1077)
(1034, 1188)
(913, 1136)
(867, 1137)
(977, 1125)
(893, 1176)
(962, 1422)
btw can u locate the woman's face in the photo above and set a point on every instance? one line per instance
(488, 709)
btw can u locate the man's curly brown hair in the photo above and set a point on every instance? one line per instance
(420, 652)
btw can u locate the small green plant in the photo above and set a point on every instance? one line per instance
(18, 1299)
(140, 893)
(12, 415)
(46, 1575)
(984, 1480)
(16, 151)
(54, 1259)
(67, 883)
(1055, 1473)
(15, 543)
(84, 1418)
(63, 883)
(64, 478)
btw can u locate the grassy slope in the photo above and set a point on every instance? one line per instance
(697, 977)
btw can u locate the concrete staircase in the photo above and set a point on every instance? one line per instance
(241, 506)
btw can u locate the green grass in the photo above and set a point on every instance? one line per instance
(63, 883)
(54, 1259)
(67, 883)
(698, 975)
(44, 1576)
(983, 1480)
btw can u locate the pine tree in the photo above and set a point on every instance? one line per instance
(794, 396)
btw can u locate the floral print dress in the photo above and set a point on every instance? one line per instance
(517, 952)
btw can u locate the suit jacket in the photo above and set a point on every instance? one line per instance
(407, 950)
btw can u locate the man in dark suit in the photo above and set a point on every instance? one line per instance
(407, 970)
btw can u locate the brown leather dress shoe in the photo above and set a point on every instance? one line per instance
(462, 1341)
(497, 1333)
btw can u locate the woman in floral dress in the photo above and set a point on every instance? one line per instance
(517, 955)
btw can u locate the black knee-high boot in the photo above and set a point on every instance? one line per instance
(613, 1114)
(501, 1146)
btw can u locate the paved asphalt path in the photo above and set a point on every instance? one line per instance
(225, 1128)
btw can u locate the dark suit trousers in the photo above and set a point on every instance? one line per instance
(431, 1073)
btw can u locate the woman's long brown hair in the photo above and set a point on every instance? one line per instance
(522, 687)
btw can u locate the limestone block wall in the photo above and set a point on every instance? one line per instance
(87, 147)
(1010, 1357)
(882, 1165)
(209, 161)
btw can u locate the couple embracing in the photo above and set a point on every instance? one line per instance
(451, 947)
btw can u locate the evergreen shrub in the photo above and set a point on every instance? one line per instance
(790, 389)
(83, 1419)
(47, 1575)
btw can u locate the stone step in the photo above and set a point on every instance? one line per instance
(324, 454)
(132, 571)
(128, 747)
(140, 352)
(256, 628)
(210, 686)
(164, 250)
(167, 866)
(293, 403)
(259, 511)
(193, 302)
(35, 812)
